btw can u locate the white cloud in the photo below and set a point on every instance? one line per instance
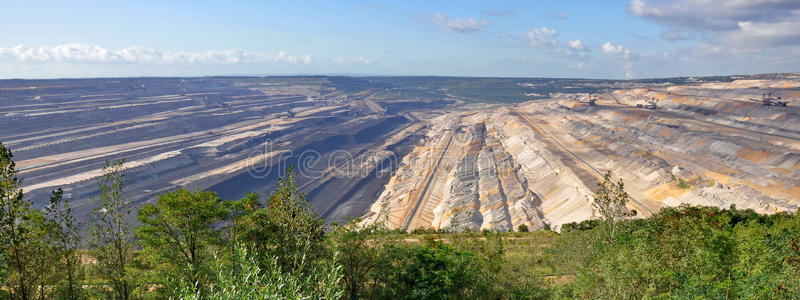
(81, 53)
(539, 37)
(547, 38)
(740, 23)
(616, 51)
(576, 44)
(573, 48)
(619, 53)
(759, 34)
(713, 15)
(457, 25)
(609, 48)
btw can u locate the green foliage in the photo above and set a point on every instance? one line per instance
(248, 277)
(522, 228)
(360, 252)
(436, 270)
(110, 234)
(583, 225)
(176, 234)
(64, 238)
(40, 254)
(768, 263)
(687, 252)
(423, 230)
(288, 225)
(683, 184)
(462, 266)
(523, 268)
(610, 200)
(22, 232)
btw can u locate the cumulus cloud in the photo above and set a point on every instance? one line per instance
(713, 15)
(618, 52)
(760, 34)
(741, 23)
(538, 37)
(576, 44)
(465, 25)
(615, 50)
(609, 48)
(82, 53)
(573, 48)
(547, 38)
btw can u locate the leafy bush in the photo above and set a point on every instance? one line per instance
(176, 233)
(286, 226)
(683, 184)
(245, 279)
(687, 252)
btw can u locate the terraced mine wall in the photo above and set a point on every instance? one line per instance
(415, 156)
(539, 162)
(231, 136)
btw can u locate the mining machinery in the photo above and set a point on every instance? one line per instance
(648, 104)
(592, 100)
(767, 99)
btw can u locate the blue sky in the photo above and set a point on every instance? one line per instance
(592, 39)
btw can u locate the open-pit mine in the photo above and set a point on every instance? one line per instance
(417, 152)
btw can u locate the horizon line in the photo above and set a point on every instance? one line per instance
(362, 75)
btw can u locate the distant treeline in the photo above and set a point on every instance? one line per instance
(193, 245)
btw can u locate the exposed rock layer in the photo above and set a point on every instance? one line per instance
(539, 162)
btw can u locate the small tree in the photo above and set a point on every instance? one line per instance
(251, 277)
(522, 228)
(176, 233)
(20, 230)
(110, 233)
(288, 226)
(42, 254)
(360, 250)
(65, 239)
(610, 200)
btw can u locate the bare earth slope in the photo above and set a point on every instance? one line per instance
(538, 162)
(232, 136)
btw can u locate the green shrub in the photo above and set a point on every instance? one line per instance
(245, 279)
(687, 252)
(683, 184)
